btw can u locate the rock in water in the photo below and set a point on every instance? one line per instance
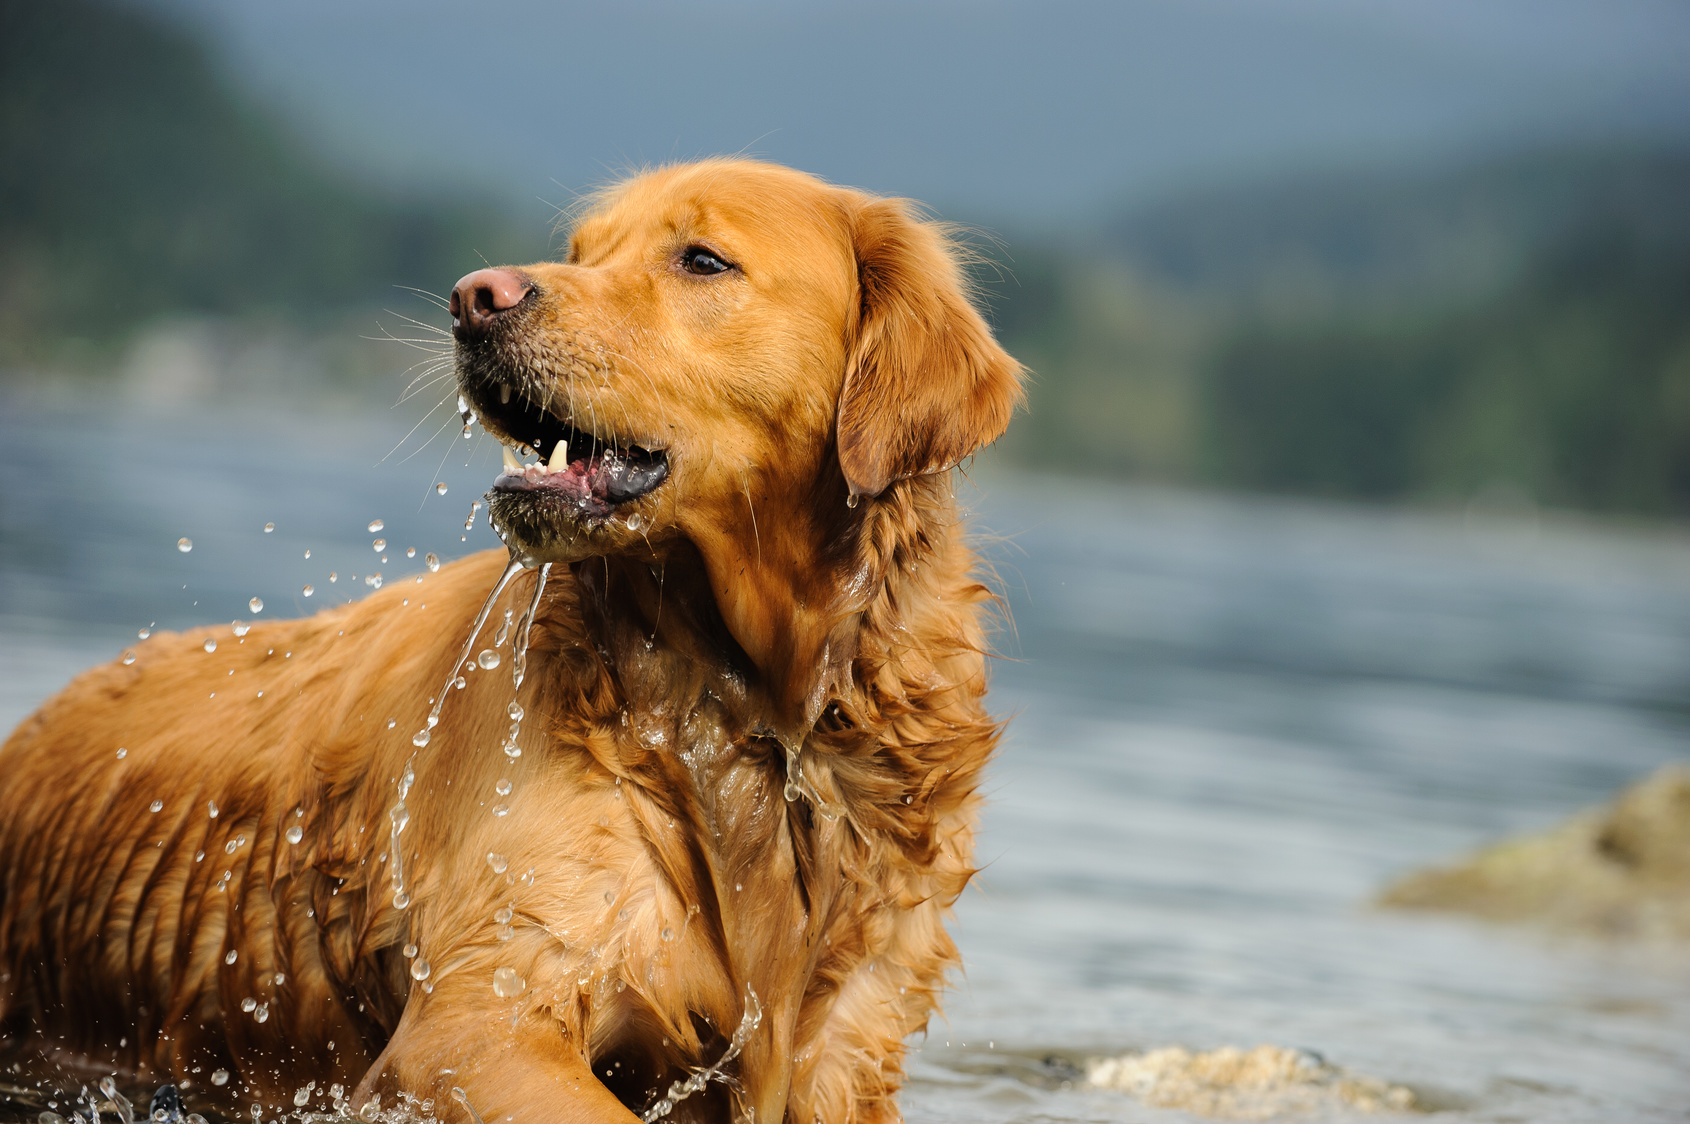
(1622, 870)
(1268, 1082)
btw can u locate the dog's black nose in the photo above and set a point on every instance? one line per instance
(479, 298)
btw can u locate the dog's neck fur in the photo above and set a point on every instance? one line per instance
(883, 710)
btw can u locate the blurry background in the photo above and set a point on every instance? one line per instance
(1345, 530)
(1423, 251)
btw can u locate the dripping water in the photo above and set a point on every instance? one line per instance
(515, 567)
(681, 1090)
(519, 659)
(400, 815)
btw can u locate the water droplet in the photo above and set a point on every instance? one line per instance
(308, 591)
(507, 984)
(460, 682)
(409, 951)
(128, 655)
(440, 488)
(501, 810)
(433, 562)
(909, 799)
(333, 577)
(263, 1012)
(301, 1097)
(143, 634)
(211, 808)
(210, 645)
(497, 861)
(231, 956)
(249, 1004)
(851, 500)
(184, 545)
(373, 581)
(122, 753)
(467, 434)
(503, 788)
(420, 968)
(401, 899)
(420, 738)
(514, 710)
(410, 552)
(488, 659)
(400, 816)
(308, 553)
(219, 1077)
(379, 545)
(376, 525)
(229, 847)
(667, 934)
(609, 897)
(294, 834)
(156, 806)
(268, 527)
(256, 604)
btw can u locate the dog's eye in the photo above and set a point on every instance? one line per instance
(697, 259)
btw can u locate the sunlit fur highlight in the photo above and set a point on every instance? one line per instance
(655, 871)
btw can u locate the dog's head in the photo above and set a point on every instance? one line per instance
(732, 355)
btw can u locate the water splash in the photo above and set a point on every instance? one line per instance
(125, 1110)
(681, 1090)
(463, 1098)
(798, 785)
(399, 815)
(511, 571)
(519, 650)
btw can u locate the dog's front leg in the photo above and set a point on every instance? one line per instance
(526, 1072)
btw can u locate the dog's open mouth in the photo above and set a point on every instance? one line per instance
(576, 470)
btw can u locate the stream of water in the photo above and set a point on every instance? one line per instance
(1233, 722)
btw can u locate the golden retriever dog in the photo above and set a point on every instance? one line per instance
(688, 849)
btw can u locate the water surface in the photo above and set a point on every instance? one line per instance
(1233, 721)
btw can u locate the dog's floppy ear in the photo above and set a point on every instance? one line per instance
(925, 382)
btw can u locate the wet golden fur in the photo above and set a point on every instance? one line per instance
(656, 874)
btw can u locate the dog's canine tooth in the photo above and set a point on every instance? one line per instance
(505, 395)
(511, 463)
(560, 457)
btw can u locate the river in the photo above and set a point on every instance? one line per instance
(1232, 721)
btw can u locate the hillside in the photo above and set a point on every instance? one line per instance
(1521, 323)
(135, 183)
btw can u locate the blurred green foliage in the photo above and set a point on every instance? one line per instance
(135, 184)
(1521, 323)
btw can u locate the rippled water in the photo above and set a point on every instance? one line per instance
(1233, 722)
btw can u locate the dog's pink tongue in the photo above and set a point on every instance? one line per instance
(582, 478)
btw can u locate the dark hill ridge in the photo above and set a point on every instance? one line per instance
(1398, 232)
(135, 183)
(1519, 326)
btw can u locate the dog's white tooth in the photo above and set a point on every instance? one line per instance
(511, 463)
(560, 457)
(505, 395)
